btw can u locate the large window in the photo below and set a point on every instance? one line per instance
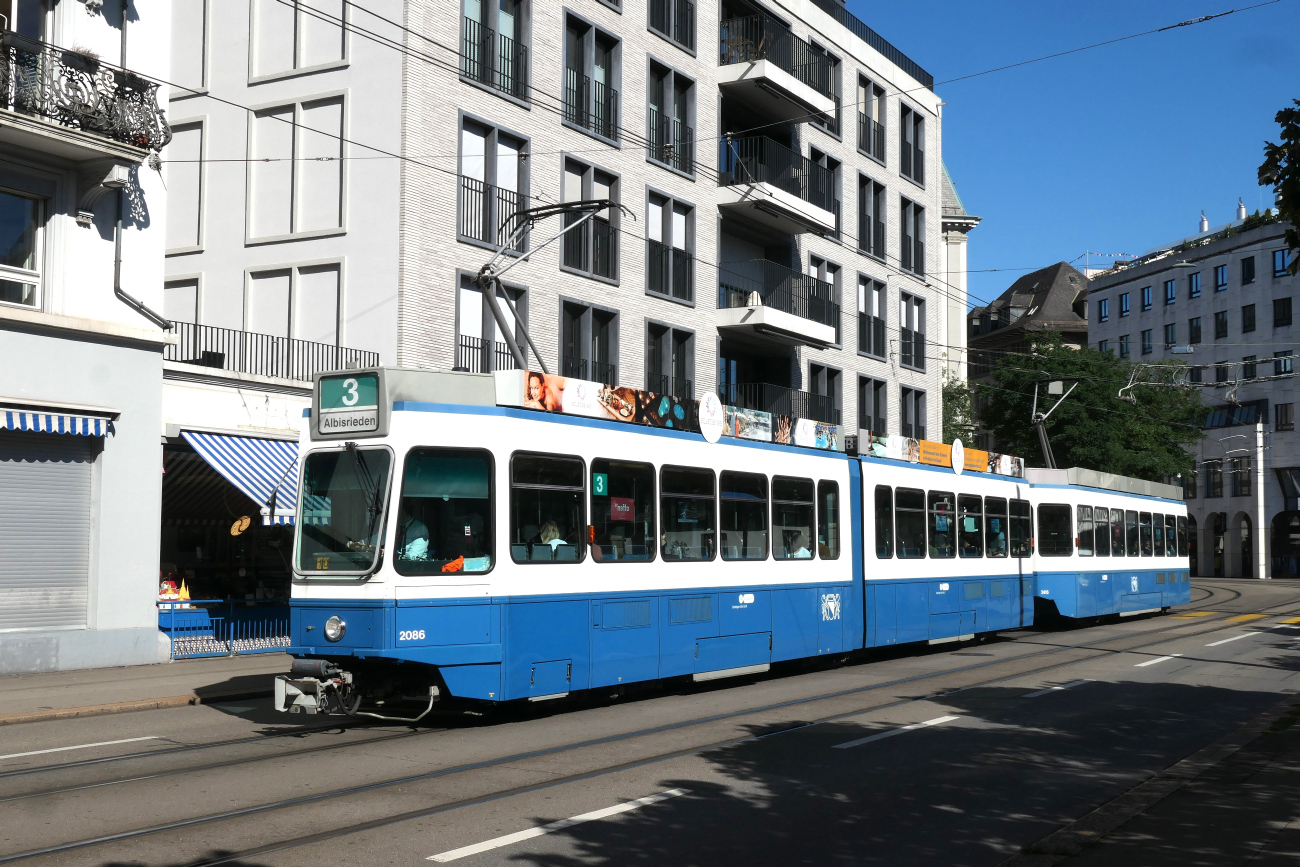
(295, 170)
(910, 511)
(871, 119)
(592, 248)
(871, 217)
(493, 185)
(970, 529)
(591, 67)
(1085, 531)
(670, 246)
(1144, 525)
(1158, 534)
(1022, 529)
(444, 519)
(792, 518)
(670, 361)
(911, 330)
(1247, 270)
(670, 109)
(912, 408)
(494, 50)
(828, 520)
(872, 399)
(943, 524)
(884, 522)
(871, 317)
(995, 524)
(20, 268)
(913, 238)
(589, 342)
(743, 500)
(912, 143)
(622, 511)
(1171, 536)
(1281, 262)
(343, 496)
(1101, 531)
(546, 509)
(674, 20)
(1117, 532)
(686, 513)
(1055, 535)
(1131, 534)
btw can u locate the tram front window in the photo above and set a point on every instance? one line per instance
(343, 494)
(546, 509)
(444, 519)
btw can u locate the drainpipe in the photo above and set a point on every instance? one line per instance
(137, 305)
(1262, 531)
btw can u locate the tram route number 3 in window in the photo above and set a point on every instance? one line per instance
(600, 484)
(348, 403)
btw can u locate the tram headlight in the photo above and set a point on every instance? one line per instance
(334, 628)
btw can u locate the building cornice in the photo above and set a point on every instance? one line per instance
(16, 318)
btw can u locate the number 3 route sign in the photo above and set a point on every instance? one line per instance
(349, 403)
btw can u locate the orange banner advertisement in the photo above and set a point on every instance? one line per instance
(936, 454)
(976, 461)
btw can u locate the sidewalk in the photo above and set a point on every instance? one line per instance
(93, 691)
(1236, 801)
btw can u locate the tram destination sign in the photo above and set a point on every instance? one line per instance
(348, 404)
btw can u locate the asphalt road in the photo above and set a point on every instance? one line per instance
(955, 754)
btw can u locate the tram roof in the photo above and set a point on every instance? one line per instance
(1084, 478)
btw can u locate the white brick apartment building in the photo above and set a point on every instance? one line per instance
(782, 236)
(1221, 300)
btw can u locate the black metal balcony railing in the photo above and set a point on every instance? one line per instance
(487, 211)
(671, 141)
(871, 334)
(604, 248)
(604, 372)
(674, 386)
(470, 355)
(494, 59)
(912, 348)
(779, 400)
(871, 137)
(260, 354)
(760, 160)
(758, 37)
(574, 251)
(590, 105)
(762, 282)
(674, 19)
(855, 25)
(574, 367)
(669, 271)
(75, 90)
(913, 161)
(912, 431)
(871, 234)
(913, 258)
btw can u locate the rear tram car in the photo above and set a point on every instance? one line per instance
(512, 536)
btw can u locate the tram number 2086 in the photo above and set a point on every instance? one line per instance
(411, 635)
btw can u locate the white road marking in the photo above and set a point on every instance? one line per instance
(81, 747)
(1158, 659)
(1233, 638)
(1058, 688)
(898, 731)
(520, 836)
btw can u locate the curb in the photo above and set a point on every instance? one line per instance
(1091, 828)
(128, 706)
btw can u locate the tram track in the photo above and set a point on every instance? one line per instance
(1091, 650)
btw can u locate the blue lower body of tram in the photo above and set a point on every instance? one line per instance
(1123, 591)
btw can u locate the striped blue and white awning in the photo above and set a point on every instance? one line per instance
(255, 466)
(55, 423)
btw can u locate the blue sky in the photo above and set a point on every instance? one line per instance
(1116, 149)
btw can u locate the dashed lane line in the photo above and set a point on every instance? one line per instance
(541, 830)
(1157, 659)
(898, 731)
(81, 747)
(1052, 689)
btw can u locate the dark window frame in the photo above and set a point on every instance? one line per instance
(582, 499)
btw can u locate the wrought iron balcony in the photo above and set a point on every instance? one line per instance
(759, 37)
(762, 282)
(669, 271)
(477, 355)
(77, 91)
(674, 386)
(671, 142)
(486, 212)
(260, 354)
(871, 137)
(780, 400)
(776, 186)
(494, 60)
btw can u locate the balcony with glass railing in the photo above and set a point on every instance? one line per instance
(772, 72)
(768, 300)
(494, 60)
(71, 104)
(770, 184)
(259, 354)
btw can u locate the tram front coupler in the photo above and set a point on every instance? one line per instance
(316, 686)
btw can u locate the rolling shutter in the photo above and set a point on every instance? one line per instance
(45, 489)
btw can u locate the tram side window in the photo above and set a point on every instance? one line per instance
(1131, 533)
(1085, 531)
(909, 507)
(1054, 536)
(828, 520)
(1117, 532)
(1022, 529)
(622, 511)
(884, 522)
(792, 519)
(943, 525)
(686, 511)
(1101, 531)
(995, 524)
(1158, 534)
(1171, 535)
(744, 515)
(1144, 523)
(546, 509)
(970, 525)
(1182, 536)
(444, 520)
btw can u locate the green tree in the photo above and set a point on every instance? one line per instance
(1149, 439)
(958, 410)
(1281, 171)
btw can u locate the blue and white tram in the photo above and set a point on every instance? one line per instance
(450, 546)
